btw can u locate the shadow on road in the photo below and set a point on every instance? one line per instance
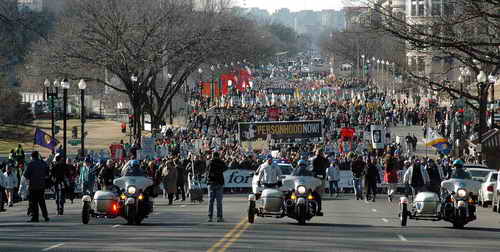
(484, 229)
(333, 225)
(178, 225)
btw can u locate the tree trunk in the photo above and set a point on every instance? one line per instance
(483, 104)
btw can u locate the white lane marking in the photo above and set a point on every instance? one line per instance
(183, 205)
(385, 220)
(53, 247)
(374, 210)
(115, 226)
(402, 238)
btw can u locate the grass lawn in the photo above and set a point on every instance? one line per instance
(101, 133)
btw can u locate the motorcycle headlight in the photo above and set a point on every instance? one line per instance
(301, 189)
(462, 193)
(131, 190)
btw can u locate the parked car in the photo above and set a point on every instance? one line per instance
(487, 188)
(495, 203)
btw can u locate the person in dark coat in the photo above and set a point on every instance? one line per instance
(37, 175)
(58, 175)
(181, 178)
(107, 175)
(371, 178)
(320, 163)
(215, 183)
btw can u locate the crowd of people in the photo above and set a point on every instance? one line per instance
(209, 144)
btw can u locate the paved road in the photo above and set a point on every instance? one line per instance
(348, 225)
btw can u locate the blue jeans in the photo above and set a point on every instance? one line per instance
(60, 194)
(215, 193)
(358, 189)
(332, 184)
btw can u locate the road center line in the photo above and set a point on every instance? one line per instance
(402, 238)
(374, 210)
(385, 220)
(235, 237)
(228, 235)
(53, 246)
(115, 226)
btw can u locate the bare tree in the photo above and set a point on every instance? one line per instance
(467, 31)
(144, 39)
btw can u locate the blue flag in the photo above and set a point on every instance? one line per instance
(45, 140)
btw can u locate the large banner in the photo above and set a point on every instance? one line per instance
(280, 130)
(243, 179)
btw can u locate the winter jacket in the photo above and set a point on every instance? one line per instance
(390, 171)
(357, 168)
(320, 164)
(169, 174)
(269, 173)
(37, 173)
(416, 176)
(216, 169)
(10, 180)
(333, 173)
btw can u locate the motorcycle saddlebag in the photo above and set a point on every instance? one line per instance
(427, 203)
(271, 200)
(104, 201)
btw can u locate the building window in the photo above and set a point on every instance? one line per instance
(420, 64)
(417, 8)
(448, 7)
(436, 7)
(413, 7)
(421, 9)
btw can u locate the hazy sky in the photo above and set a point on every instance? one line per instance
(293, 5)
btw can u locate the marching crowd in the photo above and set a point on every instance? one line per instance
(208, 145)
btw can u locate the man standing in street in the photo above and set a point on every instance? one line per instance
(333, 174)
(58, 176)
(37, 174)
(215, 183)
(357, 168)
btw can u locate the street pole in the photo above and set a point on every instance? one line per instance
(82, 85)
(65, 86)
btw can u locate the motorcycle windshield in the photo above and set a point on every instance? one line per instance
(140, 182)
(302, 172)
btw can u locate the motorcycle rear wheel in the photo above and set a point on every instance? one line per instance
(404, 214)
(86, 213)
(251, 212)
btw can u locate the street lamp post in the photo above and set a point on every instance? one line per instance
(82, 85)
(171, 116)
(212, 85)
(52, 93)
(65, 87)
(363, 67)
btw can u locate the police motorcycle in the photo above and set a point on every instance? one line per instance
(456, 203)
(294, 198)
(129, 198)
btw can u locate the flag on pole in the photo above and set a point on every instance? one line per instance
(45, 140)
(435, 140)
